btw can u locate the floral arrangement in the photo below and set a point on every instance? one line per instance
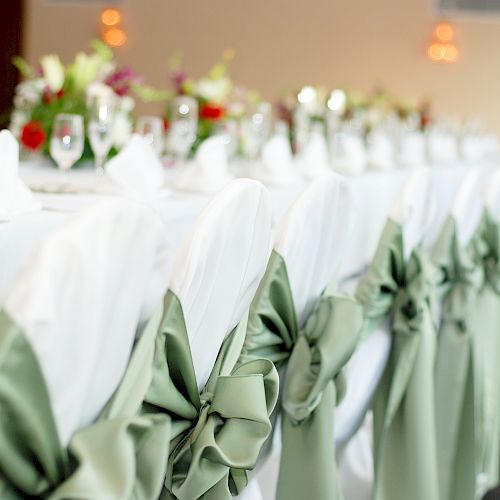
(364, 111)
(219, 99)
(52, 88)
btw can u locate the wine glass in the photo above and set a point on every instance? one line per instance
(66, 143)
(255, 129)
(151, 128)
(183, 126)
(100, 129)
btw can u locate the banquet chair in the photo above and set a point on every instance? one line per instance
(458, 255)
(412, 213)
(219, 411)
(67, 333)
(297, 318)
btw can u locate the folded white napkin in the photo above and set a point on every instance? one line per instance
(380, 151)
(472, 148)
(313, 160)
(209, 171)
(349, 154)
(276, 167)
(412, 150)
(136, 172)
(15, 197)
(442, 147)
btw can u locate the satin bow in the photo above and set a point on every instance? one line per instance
(120, 456)
(217, 435)
(314, 357)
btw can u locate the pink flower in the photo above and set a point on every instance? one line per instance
(121, 80)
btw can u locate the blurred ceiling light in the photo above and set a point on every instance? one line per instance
(444, 32)
(443, 48)
(115, 37)
(337, 101)
(449, 52)
(307, 94)
(110, 17)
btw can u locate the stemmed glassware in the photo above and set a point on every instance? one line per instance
(100, 129)
(255, 130)
(66, 143)
(151, 128)
(183, 126)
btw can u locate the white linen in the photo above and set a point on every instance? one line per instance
(349, 154)
(380, 151)
(412, 150)
(80, 298)
(136, 171)
(313, 160)
(492, 195)
(276, 167)
(313, 237)
(15, 196)
(219, 267)
(209, 171)
(442, 147)
(468, 206)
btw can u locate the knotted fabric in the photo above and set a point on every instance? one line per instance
(404, 416)
(314, 357)
(216, 435)
(120, 456)
(462, 280)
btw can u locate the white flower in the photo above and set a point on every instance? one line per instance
(216, 91)
(99, 90)
(29, 93)
(127, 104)
(122, 129)
(17, 120)
(53, 72)
(84, 70)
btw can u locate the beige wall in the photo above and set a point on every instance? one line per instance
(286, 43)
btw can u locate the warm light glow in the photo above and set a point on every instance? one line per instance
(110, 17)
(115, 37)
(449, 52)
(444, 32)
(434, 51)
(307, 95)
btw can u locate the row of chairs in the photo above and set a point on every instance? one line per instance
(126, 373)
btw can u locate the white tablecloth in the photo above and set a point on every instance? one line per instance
(373, 192)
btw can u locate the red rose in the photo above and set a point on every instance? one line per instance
(210, 112)
(60, 94)
(32, 135)
(166, 124)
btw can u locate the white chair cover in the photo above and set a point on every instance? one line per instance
(468, 206)
(492, 195)
(413, 210)
(79, 301)
(219, 267)
(312, 239)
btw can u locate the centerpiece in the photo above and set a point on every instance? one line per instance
(52, 88)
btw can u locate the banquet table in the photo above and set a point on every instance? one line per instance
(65, 194)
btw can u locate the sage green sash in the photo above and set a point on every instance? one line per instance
(463, 278)
(314, 382)
(120, 456)
(485, 324)
(404, 421)
(216, 436)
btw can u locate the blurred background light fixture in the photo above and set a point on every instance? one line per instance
(442, 47)
(112, 30)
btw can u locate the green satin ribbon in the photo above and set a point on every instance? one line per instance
(120, 456)
(314, 382)
(216, 435)
(463, 278)
(404, 415)
(485, 321)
